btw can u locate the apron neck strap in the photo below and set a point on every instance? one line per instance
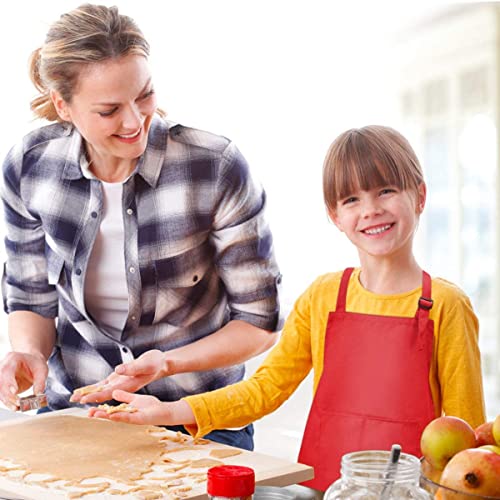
(425, 301)
(342, 295)
(425, 304)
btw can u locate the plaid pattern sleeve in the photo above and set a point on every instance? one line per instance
(25, 282)
(198, 251)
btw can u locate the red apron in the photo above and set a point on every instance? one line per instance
(374, 390)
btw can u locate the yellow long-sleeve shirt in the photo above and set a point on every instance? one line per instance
(454, 378)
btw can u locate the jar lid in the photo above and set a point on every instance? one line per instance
(230, 481)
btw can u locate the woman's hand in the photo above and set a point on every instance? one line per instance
(129, 377)
(18, 372)
(150, 410)
(151, 365)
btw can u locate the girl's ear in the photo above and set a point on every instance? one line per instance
(421, 197)
(60, 105)
(332, 214)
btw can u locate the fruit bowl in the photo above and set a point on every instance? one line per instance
(444, 493)
(459, 462)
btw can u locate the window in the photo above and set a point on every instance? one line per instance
(448, 101)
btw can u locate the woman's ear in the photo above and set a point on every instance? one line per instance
(421, 197)
(60, 105)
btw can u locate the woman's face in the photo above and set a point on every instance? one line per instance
(112, 107)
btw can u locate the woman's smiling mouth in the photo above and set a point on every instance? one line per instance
(129, 137)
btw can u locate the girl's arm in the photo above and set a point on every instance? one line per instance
(459, 361)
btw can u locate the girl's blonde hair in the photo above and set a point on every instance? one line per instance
(367, 158)
(86, 35)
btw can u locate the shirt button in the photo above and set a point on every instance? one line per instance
(78, 272)
(93, 215)
(130, 211)
(132, 270)
(132, 318)
(124, 349)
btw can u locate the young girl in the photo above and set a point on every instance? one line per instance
(391, 348)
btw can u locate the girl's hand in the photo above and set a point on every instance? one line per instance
(129, 377)
(150, 410)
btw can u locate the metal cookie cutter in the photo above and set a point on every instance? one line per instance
(32, 402)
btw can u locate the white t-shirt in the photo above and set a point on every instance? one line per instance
(106, 292)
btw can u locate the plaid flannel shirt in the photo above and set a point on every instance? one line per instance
(198, 252)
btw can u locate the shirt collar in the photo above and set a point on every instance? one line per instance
(148, 167)
(151, 162)
(74, 153)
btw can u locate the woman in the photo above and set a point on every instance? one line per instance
(145, 239)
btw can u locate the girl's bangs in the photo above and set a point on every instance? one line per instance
(365, 174)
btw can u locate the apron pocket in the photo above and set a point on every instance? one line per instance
(347, 433)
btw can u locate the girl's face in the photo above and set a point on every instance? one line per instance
(380, 222)
(112, 107)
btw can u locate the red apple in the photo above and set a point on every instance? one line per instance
(495, 429)
(490, 447)
(443, 438)
(473, 471)
(484, 434)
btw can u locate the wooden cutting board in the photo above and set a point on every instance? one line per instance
(268, 470)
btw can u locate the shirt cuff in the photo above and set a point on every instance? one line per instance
(202, 415)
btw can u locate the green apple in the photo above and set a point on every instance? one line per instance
(484, 434)
(495, 429)
(473, 471)
(443, 438)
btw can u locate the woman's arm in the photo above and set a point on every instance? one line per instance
(234, 343)
(31, 333)
(30, 301)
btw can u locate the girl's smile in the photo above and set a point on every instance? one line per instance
(378, 229)
(381, 221)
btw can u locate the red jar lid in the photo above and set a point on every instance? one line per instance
(230, 481)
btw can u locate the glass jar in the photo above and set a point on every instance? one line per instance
(273, 493)
(234, 482)
(366, 475)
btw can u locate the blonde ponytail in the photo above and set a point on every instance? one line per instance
(41, 105)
